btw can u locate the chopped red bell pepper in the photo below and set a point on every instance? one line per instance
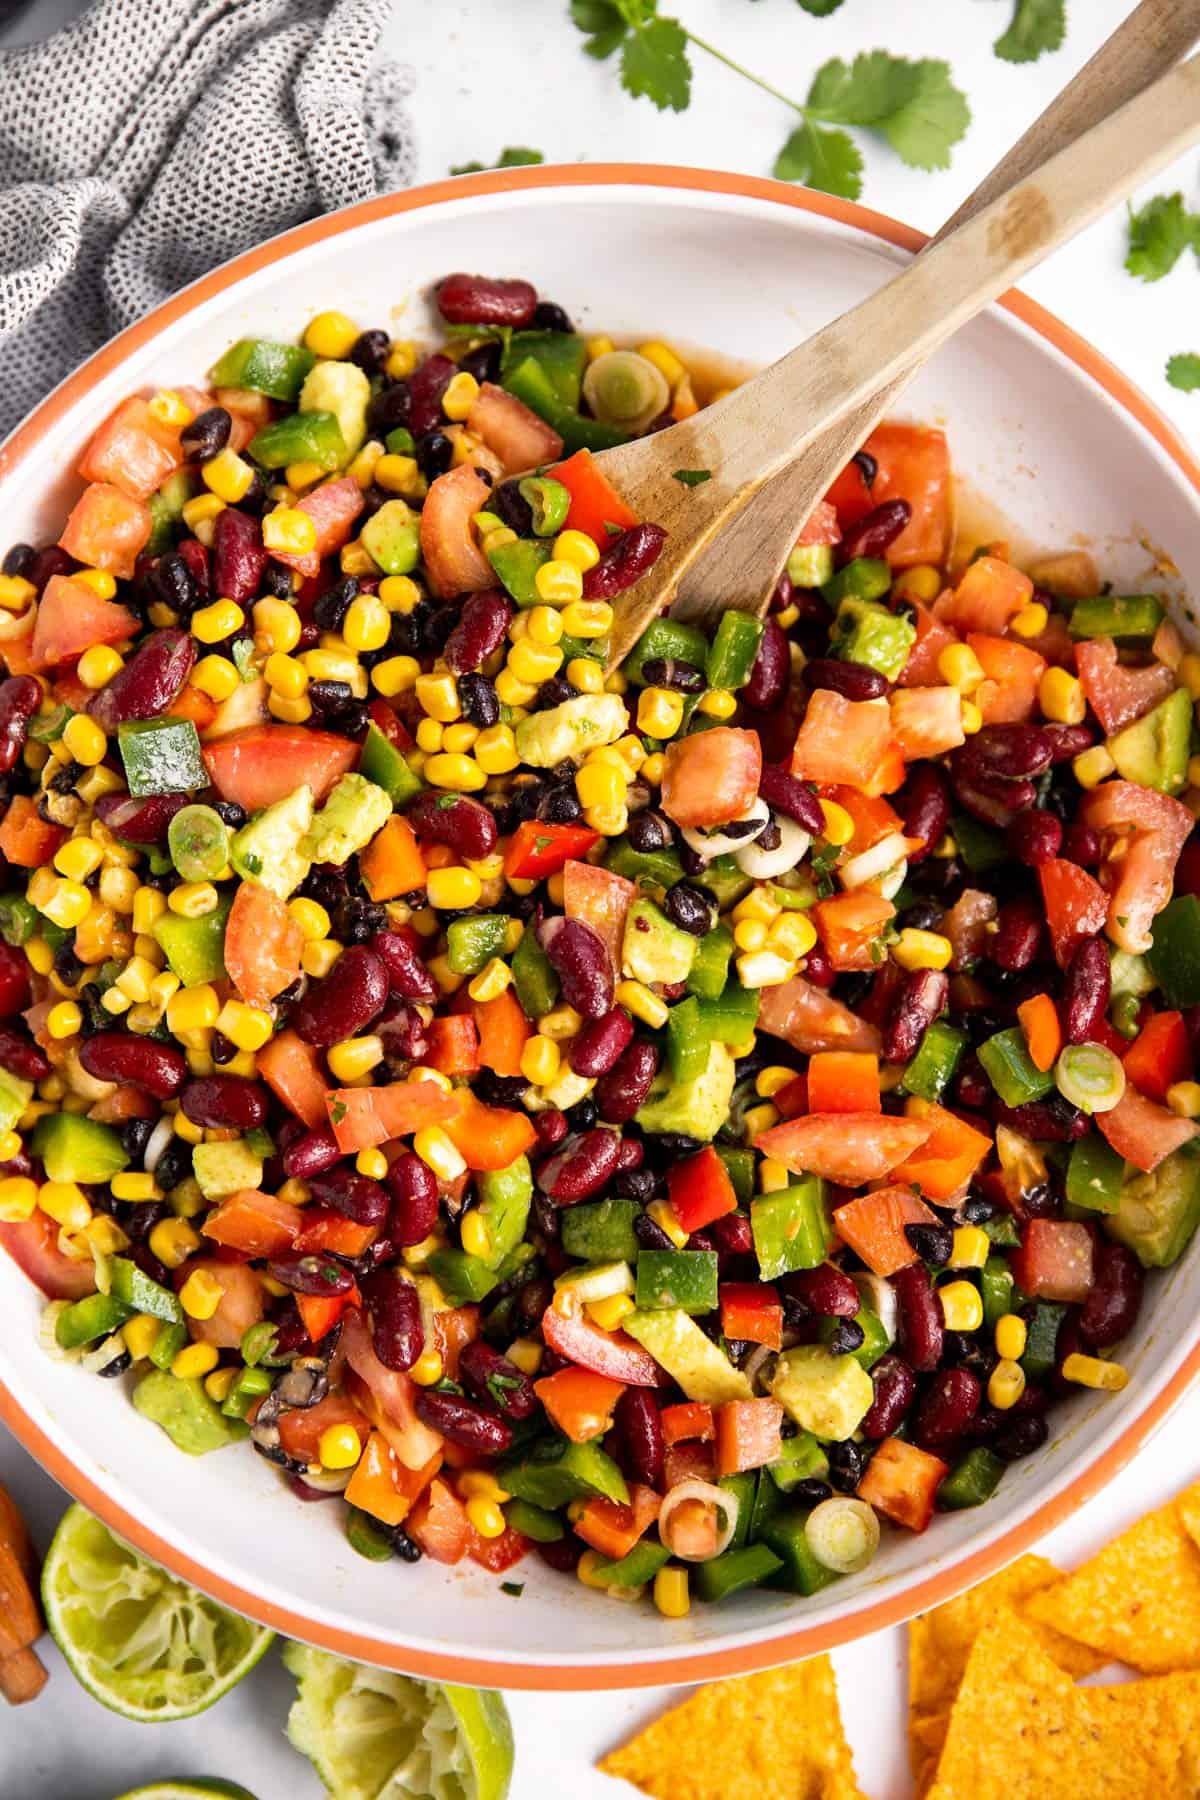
(453, 1045)
(751, 1311)
(688, 1422)
(611, 1353)
(700, 1190)
(595, 503)
(579, 1402)
(1159, 1056)
(321, 1312)
(538, 850)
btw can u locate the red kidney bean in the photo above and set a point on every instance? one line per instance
(311, 1154)
(483, 622)
(620, 1093)
(486, 300)
(1007, 752)
(550, 1128)
(921, 996)
(771, 672)
(15, 992)
(239, 556)
(355, 1196)
(490, 1376)
(920, 1328)
(403, 1031)
(1018, 935)
(1053, 1121)
(1111, 1309)
(1035, 837)
(625, 562)
(21, 1056)
(397, 950)
(20, 697)
(1068, 741)
(150, 680)
(826, 1290)
(394, 1311)
(784, 794)
(585, 1164)
(464, 825)
(312, 1274)
(580, 958)
(818, 970)
(1082, 845)
(303, 1490)
(1087, 983)
(20, 1164)
(158, 1069)
(49, 562)
(224, 1102)
(733, 1234)
(601, 1043)
(346, 1001)
(947, 1407)
(993, 802)
(631, 1154)
(639, 1427)
(563, 1554)
(464, 1422)
(924, 806)
(414, 1190)
(426, 385)
(876, 532)
(853, 681)
(140, 821)
(195, 559)
(207, 434)
(895, 1385)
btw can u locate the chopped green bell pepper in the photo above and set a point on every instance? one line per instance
(791, 1228)
(938, 1055)
(1159, 1212)
(875, 1337)
(686, 1279)
(802, 1459)
(601, 1231)
(161, 756)
(973, 1479)
(981, 848)
(473, 941)
(314, 437)
(739, 1166)
(533, 976)
(665, 638)
(1001, 1229)
(194, 948)
(366, 1537)
(166, 506)
(801, 1572)
(734, 1570)
(1011, 1070)
(504, 1200)
(549, 502)
(810, 565)
(90, 1319)
(862, 578)
(1174, 955)
(529, 381)
(653, 868)
(167, 1345)
(277, 370)
(516, 566)
(867, 633)
(709, 972)
(734, 648)
(560, 355)
(461, 1277)
(556, 1472)
(18, 919)
(386, 766)
(1117, 616)
(743, 1489)
(635, 1569)
(139, 1293)
(1041, 1339)
(996, 1289)
(248, 1386)
(1095, 1175)
(400, 441)
(534, 1522)
(73, 1147)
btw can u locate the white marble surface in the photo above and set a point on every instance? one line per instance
(507, 72)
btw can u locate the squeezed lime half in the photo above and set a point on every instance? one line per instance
(189, 1787)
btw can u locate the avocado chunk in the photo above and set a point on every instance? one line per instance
(224, 1168)
(267, 848)
(392, 536)
(654, 949)
(1157, 1214)
(15, 1096)
(190, 1419)
(1153, 751)
(342, 389)
(194, 948)
(558, 1472)
(566, 733)
(349, 819)
(865, 632)
(74, 1148)
(700, 1367)
(699, 1107)
(827, 1395)
(382, 763)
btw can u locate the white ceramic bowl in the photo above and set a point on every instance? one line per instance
(1038, 423)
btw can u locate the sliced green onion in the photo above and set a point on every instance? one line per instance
(599, 1282)
(198, 840)
(625, 389)
(843, 1534)
(1090, 1077)
(45, 727)
(258, 1343)
(18, 920)
(549, 501)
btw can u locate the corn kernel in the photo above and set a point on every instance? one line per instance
(371, 1163)
(717, 703)
(185, 1129)
(195, 1362)
(228, 475)
(526, 1355)
(430, 733)
(495, 750)
(598, 346)
(101, 581)
(559, 583)
(285, 675)
(839, 826)
(115, 1002)
(217, 677)
(764, 968)
(916, 949)
(671, 1595)
(1006, 1384)
(1094, 1372)
(610, 1312)
(453, 889)
(971, 1247)
(663, 1215)
(201, 1294)
(10, 1145)
(438, 696)
(140, 1334)
(331, 334)
(97, 666)
(428, 1368)
(193, 1009)
(642, 1002)
(354, 1057)
(85, 740)
(1093, 766)
(18, 1199)
(1061, 697)
(439, 1153)
(561, 1023)
(474, 1234)
(1189, 674)
(491, 980)
(1031, 621)
(1183, 1099)
(792, 934)
(1011, 1335)
(65, 1203)
(959, 665)
(534, 663)
(78, 858)
(544, 625)
(599, 784)
(318, 958)
(148, 905)
(750, 934)
(15, 593)
(773, 1176)
(303, 475)
(64, 1020)
(962, 1307)
(313, 920)
(456, 774)
(193, 899)
(290, 530)
(135, 1184)
(587, 618)
(68, 905)
(218, 1384)
(277, 626)
(367, 623)
(397, 675)
(585, 675)
(577, 548)
(540, 1060)
(460, 395)
(665, 361)
(213, 623)
(118, 889)
(660, 712)
(339, 1447)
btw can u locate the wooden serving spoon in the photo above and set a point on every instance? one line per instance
(22, 1673)
(742, 564)
(812, 403)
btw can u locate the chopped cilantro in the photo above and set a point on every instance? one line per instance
(1159, 233)
(691, 477)
(243, 657)
(515, 1588)
(337, 1111)
(1183, 372)
(513, 156)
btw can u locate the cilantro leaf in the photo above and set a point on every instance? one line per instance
(828, 160)
(513, 156)
(915, 105)
(654, 64)
(1183, 372)
(1037, 26)
(691, 477)
(1158, 236)
(820, 9)
(603, 23)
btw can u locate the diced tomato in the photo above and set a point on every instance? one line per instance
(333, 508)
(538, 850)
(809, 1019)
(843, 1081)
(689, 1461)
(267, 763)
(107, 530)
(700, 1190)
(748, 1435)
(453, 560)
(595, 503)
(926, 721)
(453, 1045)
(242, 1302)
(132, 451)
(966, 925)
(511, 430)
(488, 1137)
(873, 1227)
(301, 1428)
(912, 462)
(319, 1313)
(579, 1402)
(388, 720)
(190, 703)
(386, 1396)
(1075, 903)
(33, 1245)
(948, 1158)
(1119, 695)
(792, 1100)
(840, 740)
(613, 1353)
(1159, 1056)
(849, 924)
(988, 595)
(821, 526)
(850, 1148)
(382, 1486)
(1142, 881)
(503, 1032)
(933, 636)
(751, 1311)
(124, 1103)
(497, 1554)
(262, 944)
(712, 777)
(257, 1223)
(888, 773)
(1054, 1261)
(26, 839)
(613, 1529)
(689, 1421)
(1008, 695)
(362, 1118)
(1142, 1132)
(292, 1070)
(598, 898)
(323, 1229)
(438, 1523)
(902, 1481)
(71, 617)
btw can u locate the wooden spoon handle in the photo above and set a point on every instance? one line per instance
(21, 1673)
(22, 1676)
(743, 563)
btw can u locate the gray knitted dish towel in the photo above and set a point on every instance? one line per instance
(153, 139)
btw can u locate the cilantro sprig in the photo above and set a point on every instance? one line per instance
(513, 156)
(1159, 233)
(1037, 26)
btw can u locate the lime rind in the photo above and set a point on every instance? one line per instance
(190, 1787)
(145, 1645)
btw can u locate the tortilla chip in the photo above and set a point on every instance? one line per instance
(1137, 1599)
(776, 1736)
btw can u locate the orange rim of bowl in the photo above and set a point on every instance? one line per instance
(686, 1666)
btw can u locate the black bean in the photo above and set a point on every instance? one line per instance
(690, 908)
(932, 1243)
(847, 1463)
(670, 672)
(331, 607)
(846, 1337)
(647, 831)
(19, 560)
(479, 701)
(370, 351)
(549, 317)
(433, 452)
